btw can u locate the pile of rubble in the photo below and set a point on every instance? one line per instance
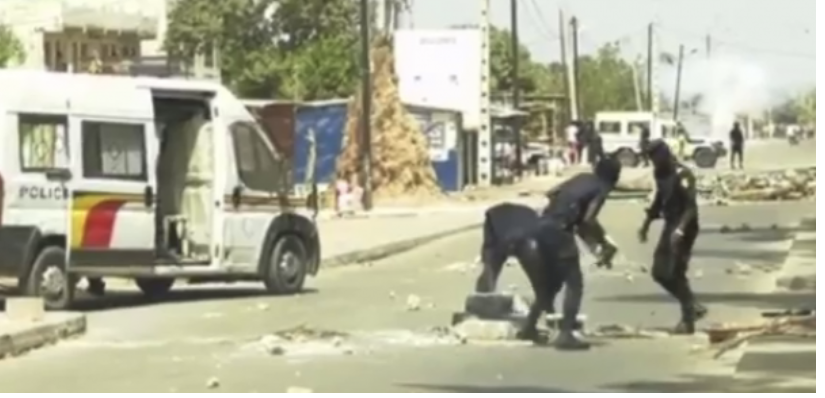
(401, 166)
(726, 338)
(788, 185)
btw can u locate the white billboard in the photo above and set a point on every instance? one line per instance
(442, 69)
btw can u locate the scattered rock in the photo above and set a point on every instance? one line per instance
(213, 383)
(299, 390)
(629, 277)
(699, 274)
(393, 295)
(745, 228)
(413, 303)
(273, 345)
(725, 229)
(263, 307)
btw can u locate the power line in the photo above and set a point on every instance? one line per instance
(539, 21)
(742, 46)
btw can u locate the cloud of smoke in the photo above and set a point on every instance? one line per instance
(727, 87)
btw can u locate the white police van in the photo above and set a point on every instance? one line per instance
(148, 179)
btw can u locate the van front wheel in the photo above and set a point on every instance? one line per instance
(50, 280)
(286, 266)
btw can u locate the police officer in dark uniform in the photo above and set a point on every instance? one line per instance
(644, 142)
(675, 202)
(546, 248)
(737, 147)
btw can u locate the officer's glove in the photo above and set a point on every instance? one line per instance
(606, 254)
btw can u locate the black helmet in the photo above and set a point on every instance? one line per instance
(608, 169)
(660, 155)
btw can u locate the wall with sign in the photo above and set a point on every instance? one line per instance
(441, 69)
(442, 129)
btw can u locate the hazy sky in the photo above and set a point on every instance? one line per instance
(775, 37)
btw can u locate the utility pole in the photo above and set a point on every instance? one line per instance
(366, 107)
(484, 147)
(514, 43)
(650, 62)
(677, 98)
(574, 24)
(709, 46)
(568, 70)
(637, 89)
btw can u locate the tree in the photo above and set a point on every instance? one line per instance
(11, 50)
(296, 49)
(606, 82)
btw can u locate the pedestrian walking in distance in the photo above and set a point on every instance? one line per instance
(737, 147)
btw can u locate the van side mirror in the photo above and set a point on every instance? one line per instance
(59, 175)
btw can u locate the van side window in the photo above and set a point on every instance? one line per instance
(258, 167)
(610, 128)
(44, 142)
(114, 151)
(637, 127)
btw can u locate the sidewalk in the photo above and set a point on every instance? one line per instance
(786, 364)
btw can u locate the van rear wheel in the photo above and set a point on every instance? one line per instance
(155, 287)
(286, 266)
(50, 280)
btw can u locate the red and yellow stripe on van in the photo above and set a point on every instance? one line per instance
(94, 216)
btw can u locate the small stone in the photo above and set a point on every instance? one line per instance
(644, 270)
(393, 295)
(699, 274)
(299, 390)
(744, 269)
(263, 307)
(337, 342)
(629, 277)
(272, 345)
(213, 383)
(725, 229)
(745, 228)
(413, 303)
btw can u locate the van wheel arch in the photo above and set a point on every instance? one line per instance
(291, 226)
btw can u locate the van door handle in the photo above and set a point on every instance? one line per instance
(237, 196)
(149, 197)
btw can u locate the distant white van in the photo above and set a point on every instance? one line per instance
(142, 178)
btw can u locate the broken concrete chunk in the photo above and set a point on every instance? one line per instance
(413, 303)
(299, 390)
(272, 345)
(490, 305)
(486, 330)
(213, 383)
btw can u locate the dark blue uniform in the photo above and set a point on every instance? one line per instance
(545, 245)
(675, 203)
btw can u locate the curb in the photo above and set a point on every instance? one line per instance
(392, 249)
(798, 272)
(55, 328)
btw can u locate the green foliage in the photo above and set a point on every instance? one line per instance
(295, 49)
(11, 49)
(606, 82)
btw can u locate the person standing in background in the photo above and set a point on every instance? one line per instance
(644, 142)
(737, 147)
(572, 138)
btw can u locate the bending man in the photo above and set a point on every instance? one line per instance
(545, 246)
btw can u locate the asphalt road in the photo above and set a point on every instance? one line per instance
(208, 339)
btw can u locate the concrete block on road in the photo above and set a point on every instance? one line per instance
(490, 305)
(487, 330)
(25, 309)
(17, 338)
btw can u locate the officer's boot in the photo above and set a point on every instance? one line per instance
(567, 340)
(691, 312)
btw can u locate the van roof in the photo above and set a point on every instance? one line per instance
(20, 78)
